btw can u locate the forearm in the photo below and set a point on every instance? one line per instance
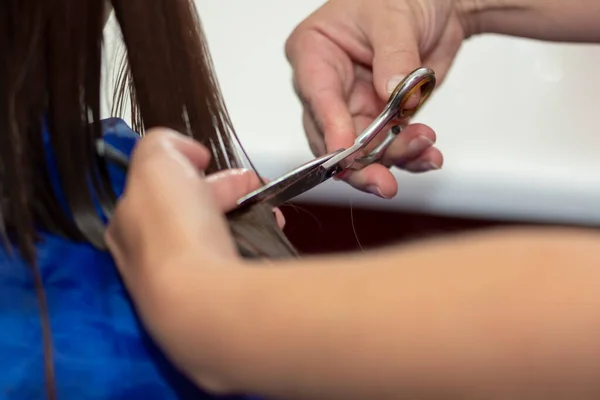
(483, 317)
(555, 20)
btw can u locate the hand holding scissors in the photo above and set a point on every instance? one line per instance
(317, 171)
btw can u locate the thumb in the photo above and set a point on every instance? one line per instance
(396, 54)
(228, 186)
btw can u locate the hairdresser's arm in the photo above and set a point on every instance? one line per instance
(510, 314)
(574, 20)
(507, 315)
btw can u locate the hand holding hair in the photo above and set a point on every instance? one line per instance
(169, 206)
(308, 329)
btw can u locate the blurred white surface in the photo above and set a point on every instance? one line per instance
(517, 120)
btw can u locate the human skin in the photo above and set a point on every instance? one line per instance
(511, 313)
(348, 55)
(505, 314)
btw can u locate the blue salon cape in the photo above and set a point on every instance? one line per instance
(101, 351)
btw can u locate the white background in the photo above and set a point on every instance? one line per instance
(517, 120)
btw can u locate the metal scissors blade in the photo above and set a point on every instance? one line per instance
(292, 184)
(317, 171)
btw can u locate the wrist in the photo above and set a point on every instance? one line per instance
(536, 19)
(482, 16)
(466, 10)
(469, 13)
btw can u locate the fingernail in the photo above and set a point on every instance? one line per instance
(393, 82)
(419, 144)
(413, 101)
(427, 166)
(375, 190)
(279, 217)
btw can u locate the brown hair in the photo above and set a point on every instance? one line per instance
(51, 74)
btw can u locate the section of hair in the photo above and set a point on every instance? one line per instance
(170, 82)
(50, 76)
(52, 59)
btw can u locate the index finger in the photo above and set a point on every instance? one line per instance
(230, 185)
(320, 71)
(177, 148)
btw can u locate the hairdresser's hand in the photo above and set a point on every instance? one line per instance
(349, 54)
(168, 207)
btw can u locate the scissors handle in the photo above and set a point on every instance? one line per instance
(377, 153)
(395, 114)
(421, 79)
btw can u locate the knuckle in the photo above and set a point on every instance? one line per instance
(290, 43)
(294, 40)
(153, 139)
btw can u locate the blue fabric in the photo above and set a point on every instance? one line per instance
(101, 351)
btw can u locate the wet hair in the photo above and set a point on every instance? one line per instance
(50, 77)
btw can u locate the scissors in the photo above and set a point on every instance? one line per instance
(319, 170)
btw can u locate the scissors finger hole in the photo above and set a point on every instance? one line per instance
(421, 83)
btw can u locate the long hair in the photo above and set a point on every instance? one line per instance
(50, 77)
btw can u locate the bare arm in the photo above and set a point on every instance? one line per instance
(508, 314)
(556, 20)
